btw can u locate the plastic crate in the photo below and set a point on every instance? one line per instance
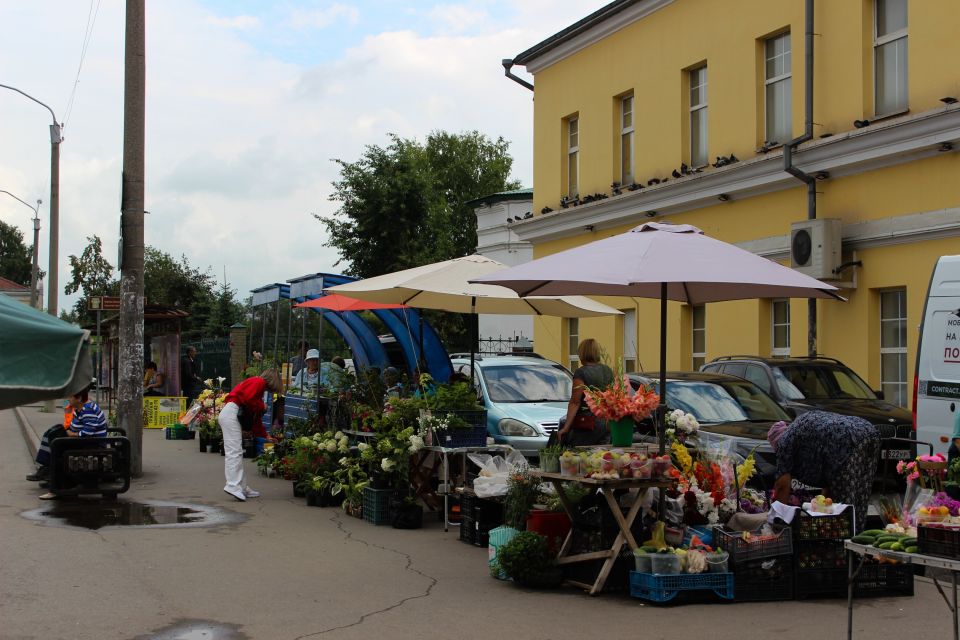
(376, 505)
(473, 436)
(835, 527)
(941, 541)
(875, 580)
(473, 418)
(663, 588)
(817, 555)
(483, 510)
(743, 548)
(179, 433)
(764, 580)
(824, 583)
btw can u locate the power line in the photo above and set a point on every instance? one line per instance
(88, 34)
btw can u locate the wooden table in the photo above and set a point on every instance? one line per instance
(624, 522)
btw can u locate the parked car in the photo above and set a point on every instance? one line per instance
(733, 413)
(525, 397)
(803, 384)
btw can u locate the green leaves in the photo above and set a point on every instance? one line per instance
(15, 257)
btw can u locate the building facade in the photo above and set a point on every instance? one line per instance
(683, 111)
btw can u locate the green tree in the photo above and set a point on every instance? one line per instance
(91, 275)
(16, 258)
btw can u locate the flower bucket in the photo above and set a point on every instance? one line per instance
(717, 561)
(621, 432)
(552, 525)
(550, 463)
(664, 563)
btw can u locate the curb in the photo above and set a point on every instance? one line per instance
(29, 436)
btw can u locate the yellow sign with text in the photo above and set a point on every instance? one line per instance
(162, 411)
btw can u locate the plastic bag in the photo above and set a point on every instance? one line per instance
(494, 472)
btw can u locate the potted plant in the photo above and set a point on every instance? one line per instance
(550, 458)
(522, 493)
(620, 407)
(527, 560)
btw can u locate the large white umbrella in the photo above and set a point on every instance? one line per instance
(665, 261)
(446, 286)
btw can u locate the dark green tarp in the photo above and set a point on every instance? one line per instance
(41, 357)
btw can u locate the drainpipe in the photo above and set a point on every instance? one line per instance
(507, 65)
(804, 177)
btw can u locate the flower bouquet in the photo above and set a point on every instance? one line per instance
(620, 407)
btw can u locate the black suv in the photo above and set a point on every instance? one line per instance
(803, 384)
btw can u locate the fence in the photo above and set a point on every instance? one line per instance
(213, 358)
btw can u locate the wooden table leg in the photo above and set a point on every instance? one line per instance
(623, 537)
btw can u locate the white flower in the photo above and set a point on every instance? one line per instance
(416, 443)
(363, 446)
(208, 403)
(713, 517)
(331, 446)
(387, 464)
(344, 461)
(338, 435)
(343, 446)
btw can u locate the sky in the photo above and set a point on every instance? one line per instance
(247, 104)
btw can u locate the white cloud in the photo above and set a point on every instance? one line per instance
(239, 143)
(235, 22)
(323, 18)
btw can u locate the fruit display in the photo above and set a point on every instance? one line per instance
(887, 540)
(821, 504)
(825, 527)
(613, 464)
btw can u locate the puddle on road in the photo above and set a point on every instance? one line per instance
(96, 514)
(196, 630)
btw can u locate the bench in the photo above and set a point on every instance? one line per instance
(83, 466)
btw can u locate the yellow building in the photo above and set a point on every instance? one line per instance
(681, 110)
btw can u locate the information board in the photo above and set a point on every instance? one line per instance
(162, 411)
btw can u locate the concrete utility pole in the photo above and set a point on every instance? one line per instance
(35, 269)
(55, 140)
(130, 383)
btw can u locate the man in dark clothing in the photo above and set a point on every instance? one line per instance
(189, 375)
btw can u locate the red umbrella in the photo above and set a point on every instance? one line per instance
(336, 302)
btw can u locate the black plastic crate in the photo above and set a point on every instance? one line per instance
(764, 580)
(821, 584)
(835, 527)
(817, 555)
(482, 510)
(943, 542)
(468, 530)
(748, 546)
(875, 580)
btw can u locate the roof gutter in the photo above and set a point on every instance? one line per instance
(804, 177)
(507, 66)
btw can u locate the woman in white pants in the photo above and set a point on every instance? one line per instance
(248, 398)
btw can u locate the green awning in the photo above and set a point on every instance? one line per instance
(41, 357)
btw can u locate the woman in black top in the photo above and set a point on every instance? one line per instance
(581, 427)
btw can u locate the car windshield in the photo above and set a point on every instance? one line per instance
(824, 383)
(723, 401)
(527, 383)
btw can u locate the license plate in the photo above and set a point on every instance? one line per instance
(896, 454)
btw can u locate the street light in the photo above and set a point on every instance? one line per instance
(55, 140)
(36, 239)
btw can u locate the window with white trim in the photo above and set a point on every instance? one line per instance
(573, 342)
(780, 328)
(573, 157)
(698, 315)
(698, 117)
(893, 346)
(626, 140)
(778, 89)
(890, 57)
(629, 340)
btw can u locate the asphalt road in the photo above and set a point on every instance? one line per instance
(288, 571)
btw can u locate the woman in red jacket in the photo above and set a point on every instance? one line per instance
(248, 398)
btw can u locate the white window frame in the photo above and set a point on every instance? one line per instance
(899, 385)
(879, 43)
(786, 77)
(626, 139)
(779, 351)
(573, 340)
(698, 75)
(696, 356)
(573, 157)
(629, 340)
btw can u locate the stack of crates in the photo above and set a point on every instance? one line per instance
(762, 564)
(820, 561)
(478, 516)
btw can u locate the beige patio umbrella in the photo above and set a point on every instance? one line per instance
(445, 286)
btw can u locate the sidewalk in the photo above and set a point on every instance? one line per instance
(289, 571)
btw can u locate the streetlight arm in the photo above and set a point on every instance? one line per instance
(36, 209)
(52, 114)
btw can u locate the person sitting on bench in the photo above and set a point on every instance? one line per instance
(87, 421)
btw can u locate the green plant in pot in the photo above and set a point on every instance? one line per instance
(527, 560)
(550, 458)
(523, 491)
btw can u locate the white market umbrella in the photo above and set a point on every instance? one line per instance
(665, 261)
(446, 286)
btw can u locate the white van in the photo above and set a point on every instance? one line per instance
(936, 394)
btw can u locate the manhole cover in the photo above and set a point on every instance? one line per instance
(95, 514)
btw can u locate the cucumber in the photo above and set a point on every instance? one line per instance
(873, 532)
(908, 542)
(882, 539)
(912, 549)
(861, 539)
(885, 545)
(896, 546)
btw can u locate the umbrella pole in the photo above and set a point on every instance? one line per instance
(473, 346)
(420, 360)
(276, 337)
(662, 407)
(320, 359)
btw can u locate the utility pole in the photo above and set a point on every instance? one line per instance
(35, 270)
(130, 383)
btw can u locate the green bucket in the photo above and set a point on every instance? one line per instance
(498, 537)
(621, 432)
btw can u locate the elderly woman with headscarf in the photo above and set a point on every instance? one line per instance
(835, 452)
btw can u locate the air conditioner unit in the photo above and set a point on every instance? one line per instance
(815, 247)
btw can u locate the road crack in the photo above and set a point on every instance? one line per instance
(348, 535)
